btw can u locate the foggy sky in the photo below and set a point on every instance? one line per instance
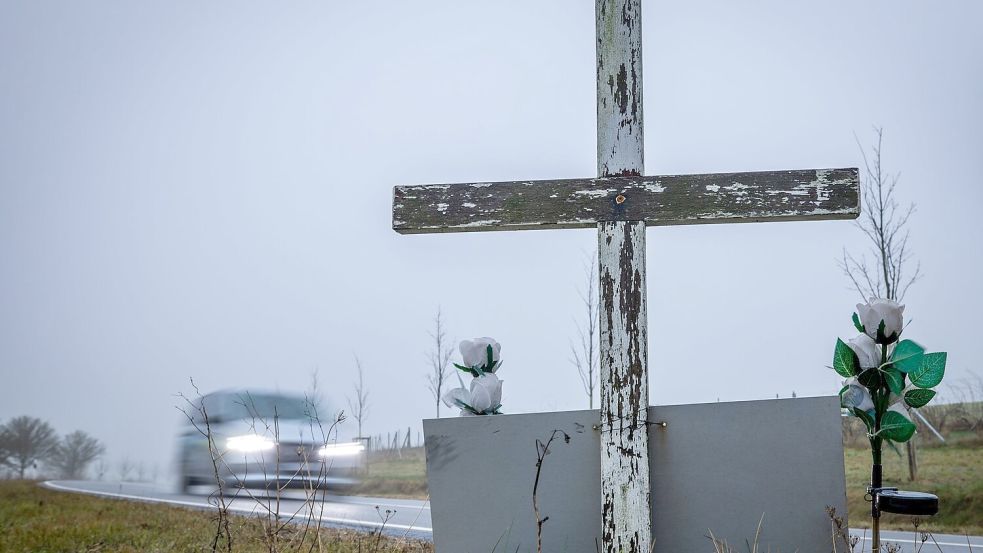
(204, 190)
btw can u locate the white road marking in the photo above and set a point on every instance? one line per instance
(945, 543)
(348, 499)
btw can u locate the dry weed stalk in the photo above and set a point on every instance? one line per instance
(721, 546)
(839, 531)
(542, 450)
(222, 521)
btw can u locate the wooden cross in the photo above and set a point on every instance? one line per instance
(620, 203)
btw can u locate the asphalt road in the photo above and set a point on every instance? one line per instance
(396, 517)
(407, 517)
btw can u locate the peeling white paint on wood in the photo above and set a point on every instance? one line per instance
(625, 489)
(657, 200)
(626, 521)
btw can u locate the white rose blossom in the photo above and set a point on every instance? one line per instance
(486, 393)
(879, 310)
(867, 350)
(475, 353)
(856, 396)
(484, 397)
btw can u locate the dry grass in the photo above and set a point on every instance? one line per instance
(41, 520)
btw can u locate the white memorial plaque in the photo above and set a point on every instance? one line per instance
(714, 467)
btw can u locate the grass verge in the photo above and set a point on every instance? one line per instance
(389, 475)
(40, 520)
(953, 472)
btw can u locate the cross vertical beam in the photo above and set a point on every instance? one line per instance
(625, 507)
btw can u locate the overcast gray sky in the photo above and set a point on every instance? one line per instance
(203, 190)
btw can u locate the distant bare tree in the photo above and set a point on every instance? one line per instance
(584, 353)
(359, 405)
(125, 469)
(102, 467)
(73, 455)
(4, 454)
(885, 224)
(439, 357)
(968, 406)
(26, 441)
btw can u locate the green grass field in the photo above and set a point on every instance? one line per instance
(954, 473)
(390, 475)
(38, 520)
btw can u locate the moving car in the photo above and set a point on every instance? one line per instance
(262, 440)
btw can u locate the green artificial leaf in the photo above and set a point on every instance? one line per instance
(871, 378)
(930, 372)
(907, 356)
(865, 417)
(918, 397)
(845, 361)
(843, 389)
(896, 427)
(491, 360)
(894, 378)
(473, 371)
(857, 323)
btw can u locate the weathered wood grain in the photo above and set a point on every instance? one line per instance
(657, 200)
(626, 520)
(624, 386)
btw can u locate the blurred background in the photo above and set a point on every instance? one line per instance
(204, 191)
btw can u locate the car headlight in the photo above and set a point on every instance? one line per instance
(341, 450)
(249, 443)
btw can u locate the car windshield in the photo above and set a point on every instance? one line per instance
(248, 406)
(268, 406)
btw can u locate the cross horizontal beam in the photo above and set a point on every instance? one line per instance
(657, 200)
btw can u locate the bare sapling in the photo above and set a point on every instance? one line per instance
(439, 358)
(584, 353)
(358, 405)
(888, 274)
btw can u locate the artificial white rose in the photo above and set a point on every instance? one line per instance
(475, 353)
(856, 396)
(879, 310)
(486, 393)
(867, 350)
(457, 397)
